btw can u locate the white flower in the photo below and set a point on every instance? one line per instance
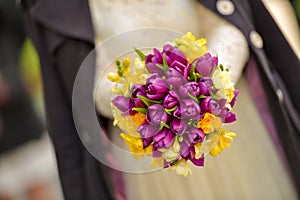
(222, 81)
(182, 168)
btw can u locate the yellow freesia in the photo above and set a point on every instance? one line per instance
(125, 77)
(126, 63)
(135, 145)
(191, 47)
(113, 77)
(209, 123)
(124, 122)
(220, 142)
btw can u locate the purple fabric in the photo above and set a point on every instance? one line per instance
(260, 99)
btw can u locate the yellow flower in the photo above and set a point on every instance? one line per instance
(134, 143)
(136, 146)
(148, 150)
(199, 150)
(182, 168)
(126, 63)
(220, 142)
(113, 77)
(138, 118)
(191, 47)
(124, 122)
(222, 81)
(210, 123)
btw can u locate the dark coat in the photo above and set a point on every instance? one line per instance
(63, 36)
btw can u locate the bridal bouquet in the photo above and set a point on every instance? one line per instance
(172, 103)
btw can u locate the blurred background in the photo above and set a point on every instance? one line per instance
(27, 159)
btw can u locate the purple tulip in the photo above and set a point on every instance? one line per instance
(122, 103)
(158, 145)
(195, 135)
(188, 153)
(156, 114)
(156, 87)
(174, 54)
(178, 127)
(184, 148)
(147, 141)
(197, 162)
(169, 139)
(136, 90)
(174, 57)
(163, 139)
(205, 85)
(191, 88)
(178, 66)
(206, 64)
(177, 112)
(212, 106)
(236, 92)
(174, 78)
(229, 117)
(152, 60)
(147, 130)
(171, 100)
(190, 110)
(160, 135)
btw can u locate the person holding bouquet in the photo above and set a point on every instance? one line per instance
(231, 45)
(254, 168)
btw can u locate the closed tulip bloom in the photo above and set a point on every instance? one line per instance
(205, 85)
(178, 127)
(191, 88)
(206, 64)
(190, 110)
(156, 87)
(171, 100)
(122, 103)
(174, 78)
(156, 114)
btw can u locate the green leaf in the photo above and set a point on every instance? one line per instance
(170, 110)
(194, 98)
(147, 101)
(160, 67)
(163, 124)
(140, 53)
(214, 97)
(141, 110)
(164, 61)
(198, 76)
(192, 71)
